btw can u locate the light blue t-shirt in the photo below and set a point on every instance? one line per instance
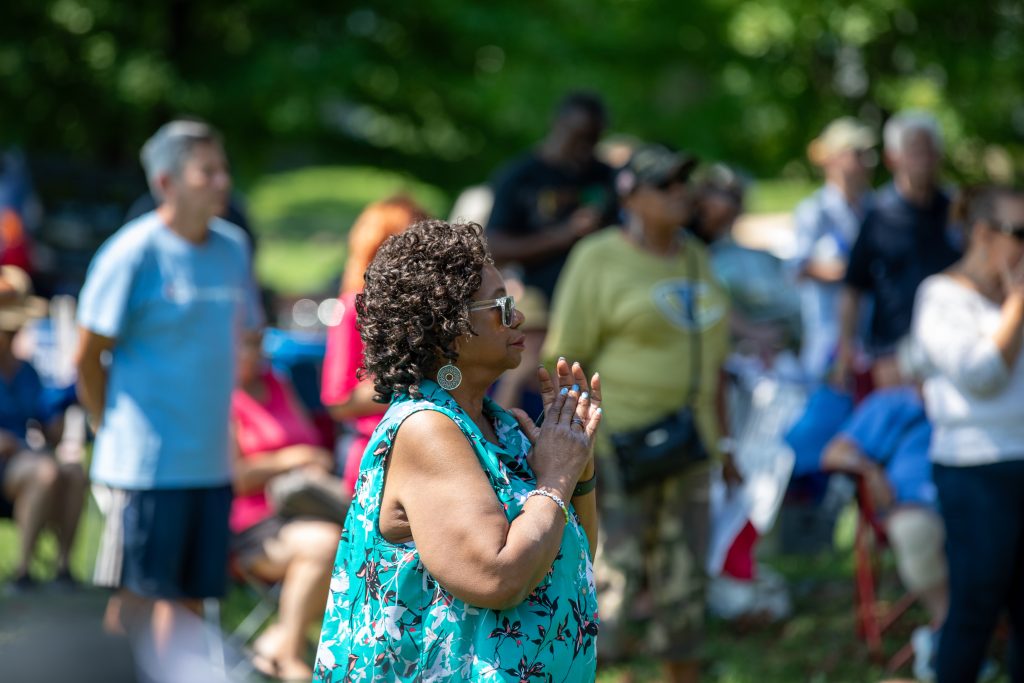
(176, 310)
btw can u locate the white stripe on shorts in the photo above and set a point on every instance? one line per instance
(110, 558)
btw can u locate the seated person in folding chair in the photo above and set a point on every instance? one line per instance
(34, 487)
(886, 443)
(278, 444)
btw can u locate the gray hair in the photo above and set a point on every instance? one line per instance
(896, 129)
(166, 151)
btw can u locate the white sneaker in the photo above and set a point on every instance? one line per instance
(923, 642)
(730, 598)
(774, 602)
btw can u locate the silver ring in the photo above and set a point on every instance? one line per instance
(577, 420)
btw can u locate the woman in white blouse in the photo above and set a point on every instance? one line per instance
(969, 322)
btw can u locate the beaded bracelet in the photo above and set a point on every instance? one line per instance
(547, 494)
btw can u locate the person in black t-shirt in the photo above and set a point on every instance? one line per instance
(551, 197)
(904, 239)
(544, 202)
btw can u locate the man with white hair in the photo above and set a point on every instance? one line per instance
(903, 240)
(166, 298)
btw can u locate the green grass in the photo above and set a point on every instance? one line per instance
(83, 554)
(817, 644)
(293, 267)
(302, 218)
(778, 196)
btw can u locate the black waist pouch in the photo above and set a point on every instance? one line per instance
(658, 451)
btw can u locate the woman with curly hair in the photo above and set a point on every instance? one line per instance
(466, 552)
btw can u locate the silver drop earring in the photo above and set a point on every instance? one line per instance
(449, 377)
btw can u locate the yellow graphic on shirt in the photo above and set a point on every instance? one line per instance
(689, 305)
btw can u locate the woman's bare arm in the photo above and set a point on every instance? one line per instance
(437, 491)
(252, 473)
(359, 403)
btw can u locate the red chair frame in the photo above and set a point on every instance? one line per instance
(875, 617)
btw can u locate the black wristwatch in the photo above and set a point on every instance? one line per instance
(585, 487)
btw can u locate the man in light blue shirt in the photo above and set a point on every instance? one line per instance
(166, 299)
(827, 224)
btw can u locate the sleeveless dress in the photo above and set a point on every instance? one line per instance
(388, 619)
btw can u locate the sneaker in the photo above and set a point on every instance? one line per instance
(22, 585)
(926, 645)
(730, 598)
(925, 642)
(989, 670)
(774, 603)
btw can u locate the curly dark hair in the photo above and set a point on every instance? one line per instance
(414, 303)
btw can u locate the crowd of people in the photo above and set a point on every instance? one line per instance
(489, 510)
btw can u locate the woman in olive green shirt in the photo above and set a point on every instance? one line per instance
(636, 304)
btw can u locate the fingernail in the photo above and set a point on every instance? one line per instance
(575, 387)
(600, 410)
(584, 395)
(564, 391)
(561, 358)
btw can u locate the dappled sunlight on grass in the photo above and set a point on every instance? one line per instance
(778, 196)
(326, 199)
(300, 267)
(303, 217)
(817, 645)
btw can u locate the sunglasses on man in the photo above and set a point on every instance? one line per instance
(507, 304)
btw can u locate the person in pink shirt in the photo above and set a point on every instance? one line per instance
(348, 399)
(275, 442)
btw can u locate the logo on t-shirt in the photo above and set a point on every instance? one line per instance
(184, 292)
(689, 305)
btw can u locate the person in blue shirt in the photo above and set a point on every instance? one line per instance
(886, 442)
(166, 300)
(35, 489)
(826, 226)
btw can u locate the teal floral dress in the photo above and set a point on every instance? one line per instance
(388, 619)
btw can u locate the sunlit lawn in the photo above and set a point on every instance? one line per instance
(816, 645)
(303, 217)
(778, 195)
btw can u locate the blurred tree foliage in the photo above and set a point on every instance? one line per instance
(448, 89)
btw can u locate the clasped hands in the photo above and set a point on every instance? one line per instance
(563, 444)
